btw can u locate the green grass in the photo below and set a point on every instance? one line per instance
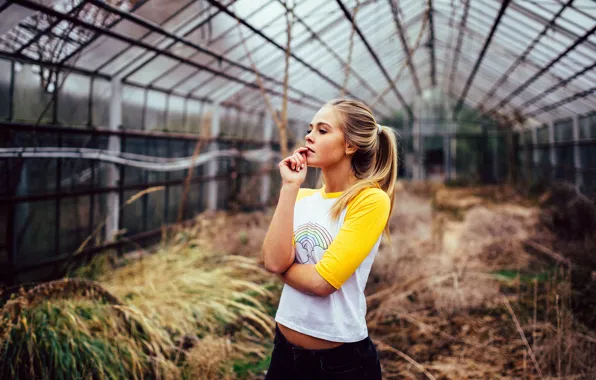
(247, 367)
(511, 275)
(64, 339)
(175, 292)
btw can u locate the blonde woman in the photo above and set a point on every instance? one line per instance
(322, 244)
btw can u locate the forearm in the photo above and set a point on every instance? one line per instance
(306, 279)
(278, 253)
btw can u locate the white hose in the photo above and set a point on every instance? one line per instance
(151, 163)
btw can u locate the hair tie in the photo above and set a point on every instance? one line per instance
(379, 129)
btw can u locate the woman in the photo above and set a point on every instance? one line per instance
(322, 244)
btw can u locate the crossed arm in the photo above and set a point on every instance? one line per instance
(279, 253)
(365, 220)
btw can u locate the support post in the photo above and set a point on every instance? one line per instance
(528, 160)
(577, 163)
(213, 164)
(512, 144)
(113, 174)
(535, 158)
(418, 159)
(266, 179)
(447, 156)
(11, 91)
(551, 150)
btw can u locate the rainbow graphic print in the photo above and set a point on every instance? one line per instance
(311, 240)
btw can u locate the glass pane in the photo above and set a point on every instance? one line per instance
(73, 100)
(132, 107)
(4, 88)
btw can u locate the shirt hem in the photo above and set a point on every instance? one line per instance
(321, 335)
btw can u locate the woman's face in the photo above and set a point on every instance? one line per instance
(325, 140)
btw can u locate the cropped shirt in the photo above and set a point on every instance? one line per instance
(343, 252)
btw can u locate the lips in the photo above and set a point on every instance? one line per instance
(310, 150)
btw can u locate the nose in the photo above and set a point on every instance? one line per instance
(309, 138)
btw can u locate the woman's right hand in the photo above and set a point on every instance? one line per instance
(293, 168)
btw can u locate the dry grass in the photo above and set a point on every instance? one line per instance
(207, 360)
(192, 291)
(436, 303)
(183, 311)
(436, 295)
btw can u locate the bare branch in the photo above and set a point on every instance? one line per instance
(348, 65)
(282, 122)
(283, 130)
(522, 335)
(384, 347)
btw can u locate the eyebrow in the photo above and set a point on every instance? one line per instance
(323, 123)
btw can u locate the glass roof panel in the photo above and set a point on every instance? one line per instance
(511, 76)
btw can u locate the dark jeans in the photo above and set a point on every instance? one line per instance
(358, 360)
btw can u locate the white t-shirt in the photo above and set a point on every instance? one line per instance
(343, 251)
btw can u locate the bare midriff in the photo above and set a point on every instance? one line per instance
(306, 341)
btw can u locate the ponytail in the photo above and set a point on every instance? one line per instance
(379, 172)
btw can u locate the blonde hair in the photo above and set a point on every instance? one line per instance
(374, 163)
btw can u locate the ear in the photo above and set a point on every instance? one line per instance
(350, 149)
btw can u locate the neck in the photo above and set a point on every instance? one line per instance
(339, 177)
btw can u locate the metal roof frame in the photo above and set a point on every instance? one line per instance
(540, 76)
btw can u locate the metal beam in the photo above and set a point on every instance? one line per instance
(41, 8)
(556, 27)
(518, 36)
(527, 62)
(405, 45)
(76, 51)
(570, 99)
(129, 47)
(316, 37)
(558, 85)
(210, 79)
(159, 30)
(460, 102)
(460, 38)
(531, 80)
(51, 65)
(450, 38)
(4, 5)
(176, 66)
(431, 44)
(272, 42)
(75, 11)
(300, 72)
(521, 58)
(376, 58)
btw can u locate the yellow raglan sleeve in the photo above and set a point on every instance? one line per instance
(366, 218)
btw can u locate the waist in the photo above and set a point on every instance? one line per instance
(299, 339)
(337, 348)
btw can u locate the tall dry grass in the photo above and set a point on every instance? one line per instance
(461, 297)
(182, 311)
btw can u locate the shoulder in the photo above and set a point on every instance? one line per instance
(304, 193)
(370, 198)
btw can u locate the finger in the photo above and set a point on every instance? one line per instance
(299, 160)
(303, 157)
(301, 149)
(302, 160)
(294, 163)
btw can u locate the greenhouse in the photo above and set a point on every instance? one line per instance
(140, 140)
